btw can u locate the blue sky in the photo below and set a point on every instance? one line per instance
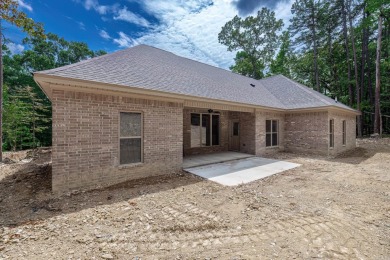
(187, 28)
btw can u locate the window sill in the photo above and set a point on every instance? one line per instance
(271, 147)
(131, 165)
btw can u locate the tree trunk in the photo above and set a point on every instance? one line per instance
(364, 59)
(377, 121)
(345, 33)
(359, 118)
(369, 79)
(1, 92)
(313, 29)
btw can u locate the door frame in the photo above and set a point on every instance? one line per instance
(231, 123)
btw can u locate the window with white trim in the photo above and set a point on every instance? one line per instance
(205, 129)
(130, 138)
(344, 132)
(331, 133)
(271, 133)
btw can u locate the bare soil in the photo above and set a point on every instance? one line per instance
(333, 208)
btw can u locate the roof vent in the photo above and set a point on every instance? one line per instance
(253, 85)
(335, 99)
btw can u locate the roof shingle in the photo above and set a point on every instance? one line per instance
(150, 68)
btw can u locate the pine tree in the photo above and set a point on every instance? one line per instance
(305, 25)
(282, 62)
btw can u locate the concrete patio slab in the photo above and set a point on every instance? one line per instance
(204, 159)
(231, 173)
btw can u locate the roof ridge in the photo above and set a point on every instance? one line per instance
(264, 87)
(306, 89)
(281, 105)
(202, 63)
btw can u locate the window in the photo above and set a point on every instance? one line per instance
(204, 130)
(331, 133)
(344, 132)
(236, 127)
(271, 135)
(130, 138)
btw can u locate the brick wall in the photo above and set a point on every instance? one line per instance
(338, 131)
(306, 132)
(309, 132)
(247, 130)
(86, 145)
(260, 136)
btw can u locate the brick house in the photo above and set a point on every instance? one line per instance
(138, 112)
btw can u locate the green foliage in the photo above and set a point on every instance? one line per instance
(313, 51)
(10, 13)
(284, 59)
(15, 125)
(27, 111)
(243, 65)
(255, 37)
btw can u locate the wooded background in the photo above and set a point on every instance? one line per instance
(340, 48)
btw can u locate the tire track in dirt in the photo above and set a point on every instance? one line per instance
(207, 231)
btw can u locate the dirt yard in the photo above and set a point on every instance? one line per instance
(327, 208)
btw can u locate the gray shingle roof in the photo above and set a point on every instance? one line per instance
(146, 67)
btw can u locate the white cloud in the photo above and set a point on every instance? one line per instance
(128, 16)
(283, 11)
(125, 41)
(190, 29)
(94, 4)
(187, 28)
(81, 25)
(104, 34)
(24, 5)
(15, 48)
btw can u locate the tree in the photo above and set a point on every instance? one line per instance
(35, 115)
(377, 122)
(305, 25)
(255, 37)
(343, 10)
(352, 34)
(34, 109)
(282, 62)
(382, 10)
(9, 12)
(15, 125)
(243, 65)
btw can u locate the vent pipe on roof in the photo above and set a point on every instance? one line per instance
(335, 99)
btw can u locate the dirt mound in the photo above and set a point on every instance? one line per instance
(356, 152)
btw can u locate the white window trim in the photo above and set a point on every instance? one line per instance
(130, 137)
(277, 133)
(211, 129)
